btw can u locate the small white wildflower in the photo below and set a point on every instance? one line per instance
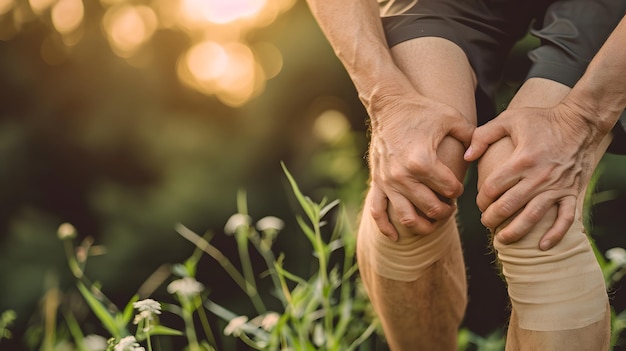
(235, 221)
(143, 315)
(617, 255)
(270, 223)
(270, 320)
(234, 326)
(318, 335)
(95, 342)
(147, 309)
(128, 343)
(148, 305)
(186, 286)
(66, 231)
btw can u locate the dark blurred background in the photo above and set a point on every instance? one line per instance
(127, 117)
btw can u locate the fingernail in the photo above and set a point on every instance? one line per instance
(545, 245)
(468, 152)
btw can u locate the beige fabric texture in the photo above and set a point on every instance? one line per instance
(559, 289)
(405, 259)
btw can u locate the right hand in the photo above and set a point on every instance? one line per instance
(406, 174)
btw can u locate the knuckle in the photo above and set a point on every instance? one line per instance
(437, 211)
(526, 160)
(505, 208)
(535, 214)
(433, 211)
(489, 191)
(417, 165)
(408, 221)
(395, 173)
(377, 214)
(452, 191)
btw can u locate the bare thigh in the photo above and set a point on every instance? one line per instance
(439, 69)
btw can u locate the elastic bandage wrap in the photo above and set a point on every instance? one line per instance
(559, 289)
(405, 259)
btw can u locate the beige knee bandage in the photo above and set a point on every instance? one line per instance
(407, 258)
(559, 289)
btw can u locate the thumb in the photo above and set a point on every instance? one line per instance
(462, 130)
(484, 136)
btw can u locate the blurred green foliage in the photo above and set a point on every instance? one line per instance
(123, 150)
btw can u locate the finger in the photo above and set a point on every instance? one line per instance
(430, 205)
(484, 136)
(499, 184)
(505, 206)
(527, 219)
(564, 220)
(378, 211)
(406, 219)
(462, 130)
(438, 177)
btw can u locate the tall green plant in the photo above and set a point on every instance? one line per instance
(327, 310)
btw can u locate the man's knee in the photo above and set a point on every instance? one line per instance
(405, 259)
(559, 289)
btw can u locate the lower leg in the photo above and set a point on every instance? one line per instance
(417, 285)
(594, 337)
(558, 296)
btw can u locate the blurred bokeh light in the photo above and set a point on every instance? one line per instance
(124, 117)
(128, 27)
(220, 60)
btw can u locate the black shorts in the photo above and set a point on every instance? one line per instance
(570, 34)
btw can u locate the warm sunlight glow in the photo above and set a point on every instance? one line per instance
(128, 27)
(331, 126)
(270, 59)
(38, 6)
(236, 85)
(217, 56)
(67, 15)
(228, 71)
(168, 12)
(207, 60)
(221, 11)
(5, 6)
(112, 2)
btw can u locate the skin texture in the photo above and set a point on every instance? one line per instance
(420, 98)
(537, 93)
(406, 173)
(425, 314)
(554, 148)
(595, 337)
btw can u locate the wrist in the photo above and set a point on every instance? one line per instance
(599, 117)
(381, 87)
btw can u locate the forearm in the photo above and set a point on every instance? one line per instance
(602, 89)
(354, 30)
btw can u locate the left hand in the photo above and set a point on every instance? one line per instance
(553, 160)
